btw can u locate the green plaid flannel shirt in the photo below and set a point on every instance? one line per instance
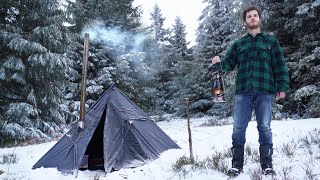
(261, 64)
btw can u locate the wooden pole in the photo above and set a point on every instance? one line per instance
(83, 87)
(84, 80)
(186, 101)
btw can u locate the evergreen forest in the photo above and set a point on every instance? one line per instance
(42, 48)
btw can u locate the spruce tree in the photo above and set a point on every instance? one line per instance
(113, 27)
(149, 94)
(183, 80)
(157, 27)
(33, 41)
(217, 29)
(111, 13)
(296, 25)
(166, 68)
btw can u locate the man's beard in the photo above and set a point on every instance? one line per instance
(253, 26)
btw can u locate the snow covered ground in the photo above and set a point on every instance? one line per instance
(296, 154)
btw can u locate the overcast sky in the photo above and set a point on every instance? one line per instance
(188, 10)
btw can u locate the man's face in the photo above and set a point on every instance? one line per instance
(252, 19)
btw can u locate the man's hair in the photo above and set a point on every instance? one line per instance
(248, 9)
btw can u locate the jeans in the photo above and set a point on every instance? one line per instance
(243, 107)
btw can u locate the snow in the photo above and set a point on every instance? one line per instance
(205, 140)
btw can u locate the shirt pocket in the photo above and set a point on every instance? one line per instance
(243, 54)
(264, 57)
(264, 52)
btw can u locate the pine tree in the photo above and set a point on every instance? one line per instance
(167, 62)
(119, 13)
(218, 27)
(178, 39)
(157, 27)
(184, 64)
(114, 53)
(149, 94)
(33, 67)
(296, 25)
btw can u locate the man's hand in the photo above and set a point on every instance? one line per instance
(216, 59)
(281, 95)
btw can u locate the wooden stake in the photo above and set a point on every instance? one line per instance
(186, 102)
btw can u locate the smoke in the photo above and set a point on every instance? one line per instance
(121, 41)
(123, 45)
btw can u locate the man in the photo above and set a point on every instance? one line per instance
(262, 73)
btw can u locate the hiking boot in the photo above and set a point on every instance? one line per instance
(234, 171)
(237, 157)
(237, 160)
(266, 152)
(268, 171)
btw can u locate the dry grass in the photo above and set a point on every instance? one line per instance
(290, 151)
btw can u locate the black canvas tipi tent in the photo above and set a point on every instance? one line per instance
(116, 133)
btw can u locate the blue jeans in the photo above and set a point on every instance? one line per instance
(243, 107)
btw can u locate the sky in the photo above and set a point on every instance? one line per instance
(288, 135)
(188, 10)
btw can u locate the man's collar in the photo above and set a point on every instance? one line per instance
(262, 33)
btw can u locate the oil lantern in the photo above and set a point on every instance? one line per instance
(218, 90)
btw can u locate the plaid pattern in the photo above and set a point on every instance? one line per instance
(261, 64)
